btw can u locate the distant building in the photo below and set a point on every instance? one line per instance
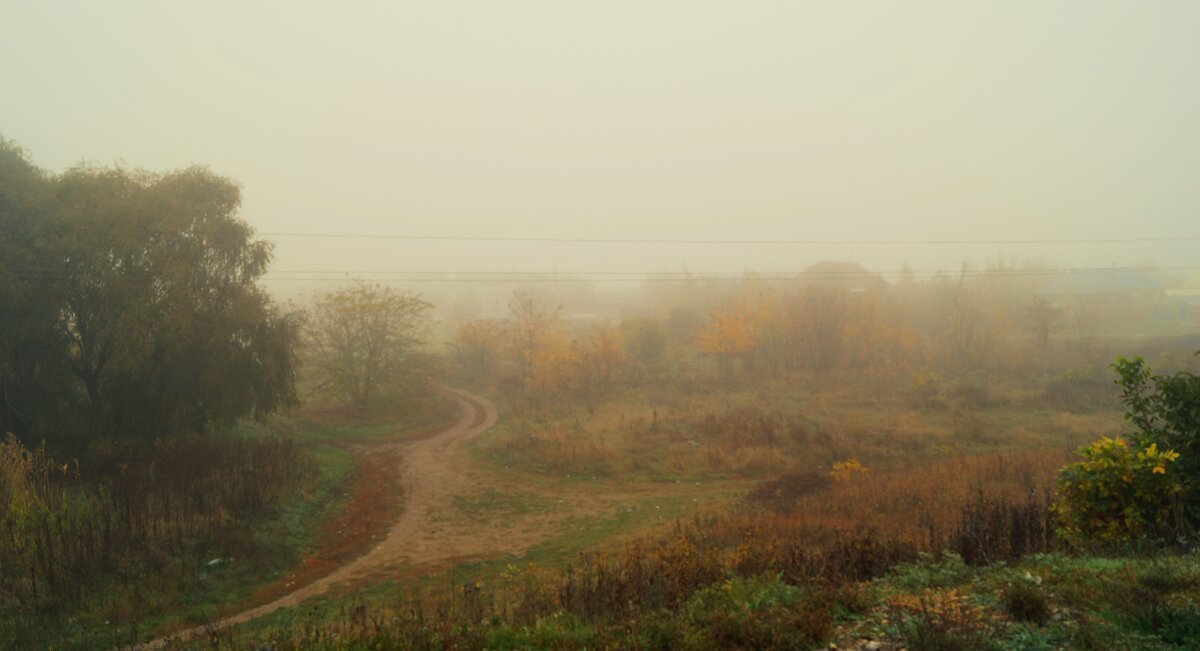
(1120, 294)
(1124, 284)
(1183, 300)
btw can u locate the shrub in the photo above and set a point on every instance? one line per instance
(940, 620)
(925, 389)
(847, 468)
(1024, 601)
(1166, 412)
(1078, 390)
(932, 572)
(1117, 495)
(782, 493)
(973, 393)
(758, 613)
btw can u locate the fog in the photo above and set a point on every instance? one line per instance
(553, 324)
(1012, 129)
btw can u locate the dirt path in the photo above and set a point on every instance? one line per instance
(455, 510)
(431, 480)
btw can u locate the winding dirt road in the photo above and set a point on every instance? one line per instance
(432, 478)
(455, 510)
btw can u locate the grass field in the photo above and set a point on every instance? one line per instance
(655, 458)
(782, 426)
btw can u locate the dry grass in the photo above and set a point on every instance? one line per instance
(772, 429)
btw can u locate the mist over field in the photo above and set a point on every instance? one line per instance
(781, 121)
(671, 325)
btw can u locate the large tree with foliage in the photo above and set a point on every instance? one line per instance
(131, 304)
(368, 343)
(33, 369)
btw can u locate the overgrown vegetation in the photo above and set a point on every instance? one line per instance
(925, 551)
(731, 582)
(147, 527)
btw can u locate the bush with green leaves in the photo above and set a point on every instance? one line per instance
(1024, 601)
(931, 572)
(1117, 494)
(1144, 488)
(1165, 409)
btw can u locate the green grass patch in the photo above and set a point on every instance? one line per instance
(1047, 601)
(496, 504)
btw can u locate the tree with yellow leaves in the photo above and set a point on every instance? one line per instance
(731, 333)
(597, 362)
(535, 339)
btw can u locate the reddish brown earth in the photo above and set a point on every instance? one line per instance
(373, 505)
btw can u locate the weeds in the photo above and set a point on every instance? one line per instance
(941, 620)
(109, 532)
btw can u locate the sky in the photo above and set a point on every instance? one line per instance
(855, 122)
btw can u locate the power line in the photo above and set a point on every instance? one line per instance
(629, 277)
(702, 241)
(689, 273)
(748, 272)
(450, 277)
(624, 240)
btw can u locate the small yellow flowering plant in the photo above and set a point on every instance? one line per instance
(847, 468)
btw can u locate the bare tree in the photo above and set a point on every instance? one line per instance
(366, 342)
(1043, 319)
(531, 325)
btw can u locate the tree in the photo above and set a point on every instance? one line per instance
(33, 373)
(1043, 318)
(645, 340)
(731, 333)
(367, 343)
(140, 308)
(597, 362)
(533, 330)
